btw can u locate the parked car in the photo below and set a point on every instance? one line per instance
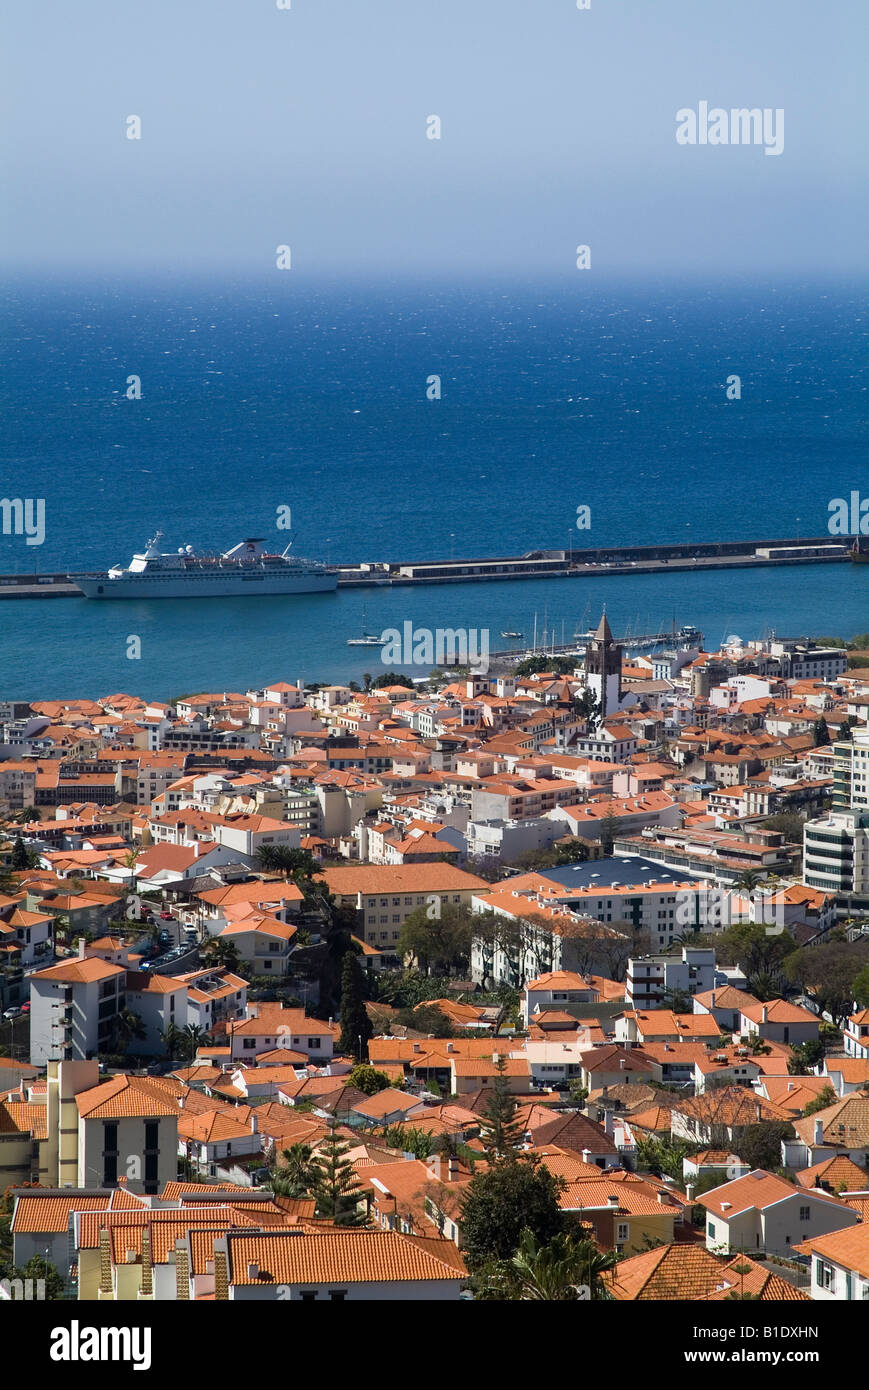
(165, 937)
(13, 1012)
(166, 916)
(25, 1008)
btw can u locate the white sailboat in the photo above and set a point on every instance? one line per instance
(368, 639)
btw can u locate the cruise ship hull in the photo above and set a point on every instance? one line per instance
(203, 584)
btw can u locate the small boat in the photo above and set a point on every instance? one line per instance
(517, 635)
(859, 553)
(368, 639)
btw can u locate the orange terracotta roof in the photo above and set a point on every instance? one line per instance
(336, 1257)
(37, 1214)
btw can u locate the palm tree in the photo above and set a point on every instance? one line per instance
(266, 857)
(192, 1037)
(219, 950)
(297, 864)
(561, 1271)
(173, 1040)
(300, 1172)
(764, 985)
(125, 1027)
(748, 881)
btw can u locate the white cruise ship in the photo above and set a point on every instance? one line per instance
(247, 569)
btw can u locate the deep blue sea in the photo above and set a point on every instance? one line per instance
(257, 396)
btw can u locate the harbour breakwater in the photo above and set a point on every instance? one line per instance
(534, 564)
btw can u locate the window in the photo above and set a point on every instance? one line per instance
(110, 1155)
(825, 1275)
(313, 1042)
(308, 1295)
(337, 1294)
(805, 1213)
(622, 1231)
(710, 1229)
(248, 1043)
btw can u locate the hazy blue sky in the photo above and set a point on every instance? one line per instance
(307, 127)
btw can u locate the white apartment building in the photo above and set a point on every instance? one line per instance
(836, 852)
(650, 978)
(72, 1006)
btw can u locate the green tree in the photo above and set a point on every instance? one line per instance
(500, 1131)
(297, 864)
(664, 1156)
(556, 1272)
(439, 937)
(820, 733)
(389, 678)
(125, 1027)
(38, 1267)
(192, 1038)
(222, 950)
(572, 850)
(368, 1079)
(806, 1056)
(747, 944)
(678, 1000)
(20, 857)
(760, 1145)
(577, 1094)
(611, 827)
(498, 1204)
(426, 1018)
(825, 1097)
(830, 971)
(356, 1027)
(297, 1177)
(861, 988)
(336, 1188)
(173, 1040)
(787, 823)
(587, 708)
(409, 1139)
(764, 985)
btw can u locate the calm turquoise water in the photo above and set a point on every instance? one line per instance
(258, 396)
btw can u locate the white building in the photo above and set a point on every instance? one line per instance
(761, 1212)
(72, 1006)
(650, 979)
(836, 851)
(840, 1265)
(855, 1034)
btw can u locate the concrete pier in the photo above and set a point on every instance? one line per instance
(535, 564)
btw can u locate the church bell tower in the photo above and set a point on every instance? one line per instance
(603, 669)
